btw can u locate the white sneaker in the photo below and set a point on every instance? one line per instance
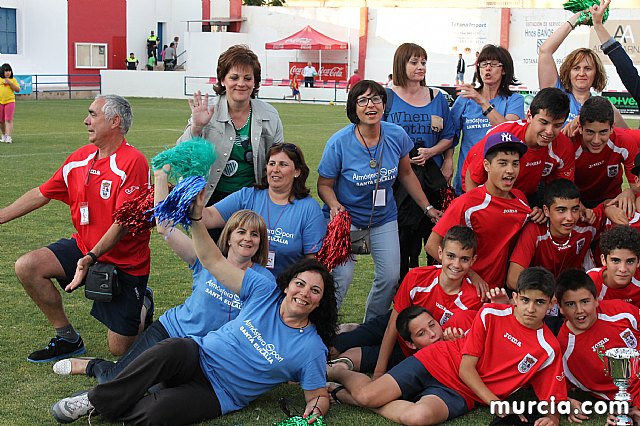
(72, 408)
(2, 139)
(63, 367)
(8, 139)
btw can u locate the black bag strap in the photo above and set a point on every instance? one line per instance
(373, 204)
(389, 104)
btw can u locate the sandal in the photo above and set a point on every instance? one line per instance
(334, 392)
(343, 360)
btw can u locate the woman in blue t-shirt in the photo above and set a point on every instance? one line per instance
(295, 224)
(423, 113)
(478, 109)
(581, 71)
(357, 171)
(243, 242)
(280, 335)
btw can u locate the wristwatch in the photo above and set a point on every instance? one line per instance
(488, 110)
(426, 209)
(93, 257)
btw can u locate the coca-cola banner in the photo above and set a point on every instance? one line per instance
(328, 72)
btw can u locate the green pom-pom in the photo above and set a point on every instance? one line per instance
(191, 158)
(299, 421)
(583, 6)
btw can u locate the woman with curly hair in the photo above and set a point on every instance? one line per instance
(280, 335)
(580, 72)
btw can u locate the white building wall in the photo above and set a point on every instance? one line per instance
(42, 36)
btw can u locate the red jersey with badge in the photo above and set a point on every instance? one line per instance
(94, 188)
(629, 294)
(616, 327)
(536, 247)
(510, 356)
(599, 176)
(496, 222)
(421, 287)
(555, 161)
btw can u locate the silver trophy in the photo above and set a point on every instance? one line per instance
(621, 364)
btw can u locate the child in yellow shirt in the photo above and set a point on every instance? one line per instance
(8, 88)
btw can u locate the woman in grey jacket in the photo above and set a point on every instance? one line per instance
(240, 127)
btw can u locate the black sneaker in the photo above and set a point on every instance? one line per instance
(58, 348)
(150, 305)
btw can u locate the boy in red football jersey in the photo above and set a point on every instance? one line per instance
(550, 155)
(507, 348)
(495, 211)
(601, 152)
(562, 242)
(618, 278)
(589, 328)
(442, 290)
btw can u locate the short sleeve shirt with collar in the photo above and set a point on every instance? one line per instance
(94, 189)
(616, 327)
(496, 222)
(510, 356)
(629, 294)
(599, 176)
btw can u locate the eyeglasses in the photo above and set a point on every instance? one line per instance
(364, 101)
(248, 153)
(494, 64)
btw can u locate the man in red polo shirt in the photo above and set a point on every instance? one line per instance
(94, 181)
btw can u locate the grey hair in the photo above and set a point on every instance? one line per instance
(115, 105)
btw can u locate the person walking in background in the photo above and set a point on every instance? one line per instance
(309, 73)
(132, 62)
(295, 88)
(389, 82)
(475, 69)
(170, 57)
(460, 70)
(151, 63)
(152, 44)
(8, 90)
(353, 79)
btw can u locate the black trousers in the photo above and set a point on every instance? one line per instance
(187, 396)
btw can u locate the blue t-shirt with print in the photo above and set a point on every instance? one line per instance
(416, 121)
(209, 307)
(574, 105)
(467, 119)
(257, 351)
(346, 161)
(294, 229)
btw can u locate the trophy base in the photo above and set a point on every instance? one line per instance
(623, 420)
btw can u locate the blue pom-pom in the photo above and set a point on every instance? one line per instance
(174, 209)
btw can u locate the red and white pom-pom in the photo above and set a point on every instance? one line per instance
(336, 248)
(135, 214)
(448, 195)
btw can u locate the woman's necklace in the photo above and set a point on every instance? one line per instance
(373, 163)
(245, 123)
(305, 326)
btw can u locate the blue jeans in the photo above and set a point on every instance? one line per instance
(105, 371)
(385, 250)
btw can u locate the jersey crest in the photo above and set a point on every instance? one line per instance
(612, 171)
(579, 245)
(527, 362)
(629, 339)
(105, 189)
(547, 169)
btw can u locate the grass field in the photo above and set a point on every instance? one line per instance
(45, 133)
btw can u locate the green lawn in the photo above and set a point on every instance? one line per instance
(45, 133)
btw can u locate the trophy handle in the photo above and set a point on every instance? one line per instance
(600, 352)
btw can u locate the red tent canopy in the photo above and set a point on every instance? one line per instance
(307, 39)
